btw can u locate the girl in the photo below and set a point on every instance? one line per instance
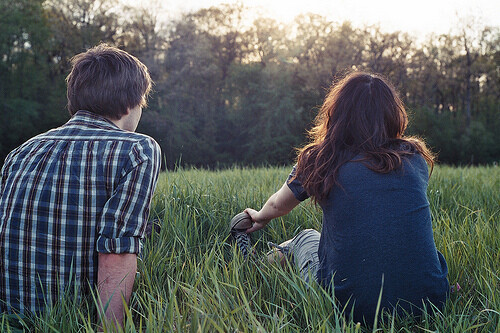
(370, 182)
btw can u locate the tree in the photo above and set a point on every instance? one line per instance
(473, 39)
(144, 35)
(23, 92)
(228, 91)
(265, 42)
(77, 25)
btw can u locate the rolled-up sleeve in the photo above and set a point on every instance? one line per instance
(125, 214)
(296, 187)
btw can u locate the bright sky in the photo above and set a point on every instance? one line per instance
(419, 17)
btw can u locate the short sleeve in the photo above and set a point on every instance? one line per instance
(296, 187)
(125, 214)
(4, 172)
(1, 179)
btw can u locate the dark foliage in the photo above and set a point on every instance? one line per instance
(228, 93)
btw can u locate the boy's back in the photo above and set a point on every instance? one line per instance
(70, 192)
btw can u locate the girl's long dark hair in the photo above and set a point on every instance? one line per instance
(361, 114)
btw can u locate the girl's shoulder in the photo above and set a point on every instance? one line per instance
(358, 167)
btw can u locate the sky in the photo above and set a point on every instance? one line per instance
(419, 17)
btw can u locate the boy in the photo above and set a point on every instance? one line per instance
(74, 201)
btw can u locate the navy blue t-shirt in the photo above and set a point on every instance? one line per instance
(378, 227)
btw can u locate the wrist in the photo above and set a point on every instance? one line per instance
(258, 217)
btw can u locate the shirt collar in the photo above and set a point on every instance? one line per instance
(87, 117)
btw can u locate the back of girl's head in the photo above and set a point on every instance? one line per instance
(362, 115)
(362, 112)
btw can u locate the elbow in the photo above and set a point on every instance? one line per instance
(279, 209)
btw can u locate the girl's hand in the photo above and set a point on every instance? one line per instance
(258, 223)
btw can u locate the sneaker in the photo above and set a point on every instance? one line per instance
(241, 221)
(283, 247)
(238, 225)
(243, 242)
(279, 253)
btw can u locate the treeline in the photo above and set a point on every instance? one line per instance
(232, 91)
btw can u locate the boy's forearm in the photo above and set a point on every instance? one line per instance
(116, 275)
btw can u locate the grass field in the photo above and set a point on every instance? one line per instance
(193, 279)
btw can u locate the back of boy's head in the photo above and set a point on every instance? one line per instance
(107, 81)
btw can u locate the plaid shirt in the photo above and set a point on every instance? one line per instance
(65, 195)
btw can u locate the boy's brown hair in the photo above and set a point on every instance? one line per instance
(107, 81)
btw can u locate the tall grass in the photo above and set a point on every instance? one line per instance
(193, 279)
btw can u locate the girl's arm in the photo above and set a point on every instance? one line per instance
(279, 204)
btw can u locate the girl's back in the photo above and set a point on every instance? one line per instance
(377, 233)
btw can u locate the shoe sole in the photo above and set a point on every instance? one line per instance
(243, 242)
(241, 221)
(238, 225)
